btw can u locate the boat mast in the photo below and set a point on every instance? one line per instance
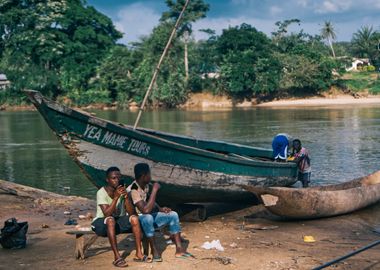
(154, 77)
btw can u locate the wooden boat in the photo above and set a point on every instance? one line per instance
(322, 201)
(189, 169)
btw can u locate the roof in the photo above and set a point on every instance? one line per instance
(3, 77)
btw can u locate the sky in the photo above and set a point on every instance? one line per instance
(137, 18)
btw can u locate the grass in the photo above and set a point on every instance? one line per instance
(362, 81)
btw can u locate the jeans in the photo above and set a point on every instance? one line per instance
(157, 220)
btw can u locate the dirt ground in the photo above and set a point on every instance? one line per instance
(251, 237)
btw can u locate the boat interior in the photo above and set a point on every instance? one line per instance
(229, 149)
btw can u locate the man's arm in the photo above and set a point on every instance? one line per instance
(163, 209)
(129, 206)
(147, 207)
(107, 209)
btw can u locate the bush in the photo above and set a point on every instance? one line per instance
(83, 97)
(12, 96)
(364, 68)
(371, 68)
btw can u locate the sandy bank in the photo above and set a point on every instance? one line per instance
(281, 247)
(210, 102)
(207, 101)
(320, 102)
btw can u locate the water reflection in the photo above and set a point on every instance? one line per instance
(343, 141)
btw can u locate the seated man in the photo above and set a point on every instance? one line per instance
(280, 145)
(302, 158)
(111, 219)
(151, 215)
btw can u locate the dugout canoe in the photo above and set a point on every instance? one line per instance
(321, 201)
(188, 169)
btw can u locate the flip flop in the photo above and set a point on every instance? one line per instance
(144, 259)
(183, 256)
(188, 254)
(120, 263)
(157, 259)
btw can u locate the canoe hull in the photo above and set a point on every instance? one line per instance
(318, 202)
(188, 174)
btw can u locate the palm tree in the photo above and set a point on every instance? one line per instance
(364, 41)
(328, 33)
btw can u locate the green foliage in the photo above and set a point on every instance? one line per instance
(52, 46)
(247, 66)
(67, 48)
(365, 44)
(371, 68)
(82, 97)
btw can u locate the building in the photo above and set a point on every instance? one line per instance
(358, 62)
(4, 83)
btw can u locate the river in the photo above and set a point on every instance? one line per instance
(344, 141)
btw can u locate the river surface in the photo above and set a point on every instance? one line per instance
(344, 141)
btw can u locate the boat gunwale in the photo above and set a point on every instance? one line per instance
(114, 126)
(356, 183)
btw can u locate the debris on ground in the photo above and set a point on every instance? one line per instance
(71, 221)
(221, 260)
(214, 244)
(308, 239)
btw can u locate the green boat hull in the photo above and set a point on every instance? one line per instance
(189, 170)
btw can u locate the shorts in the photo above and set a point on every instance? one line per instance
(304, 178)
(122, 225)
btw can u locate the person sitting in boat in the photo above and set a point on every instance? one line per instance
(302, 158)
(151, 215)
(111, 219)
(280, 146)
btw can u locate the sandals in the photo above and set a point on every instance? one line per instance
(157, 259)
(120, 263)
(144, 259)
(186, 255)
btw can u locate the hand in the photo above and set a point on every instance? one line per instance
(156, 187)
(166, 210)
(120, 191)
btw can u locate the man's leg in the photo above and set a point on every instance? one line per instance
(111, 233)
(134, 220)
(172, 220)
(147, 223)
(306, 179)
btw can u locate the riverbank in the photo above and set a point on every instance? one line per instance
(259, 240)
(207, 101)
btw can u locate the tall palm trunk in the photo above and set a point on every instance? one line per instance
(186, 39)
(331, 47)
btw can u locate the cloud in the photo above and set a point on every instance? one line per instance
(138, 18)
(275, 10)
(135, 20)
(334, 6)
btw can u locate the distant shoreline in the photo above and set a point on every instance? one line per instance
(320, 102)
(206, 101)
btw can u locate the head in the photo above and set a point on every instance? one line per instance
(113, 176)
(142, 173)
(297, 145)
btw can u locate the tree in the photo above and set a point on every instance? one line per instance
(247, 64)
(51, 45)
(196, 10)
(328, 33)
(365, 43)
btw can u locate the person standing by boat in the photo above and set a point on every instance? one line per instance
(302, 158)
(151, 215)
(111, 219)
(280, 146)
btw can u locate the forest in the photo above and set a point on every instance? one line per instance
(70, 52)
